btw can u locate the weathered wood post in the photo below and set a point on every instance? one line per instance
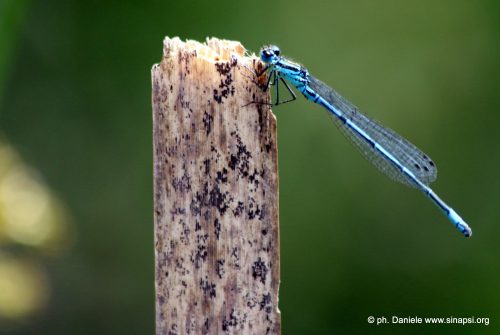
(215, 193)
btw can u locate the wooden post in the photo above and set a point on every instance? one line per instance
(215, 193)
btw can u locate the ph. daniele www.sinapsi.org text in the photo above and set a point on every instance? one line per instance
(432, 320)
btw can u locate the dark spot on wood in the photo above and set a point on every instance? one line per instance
(217, 96)
(173, 330)
(239, 209)
(232, 321)
(235, 256)
(240, 160)
(208, 288)
(224, 68)
(196, 204)
(184, 237)
(206, 215)
(206, 325)
(219, 200)
(259, 270)
(264, 303)
(225, 87)
(251, 300)
(213, 198)
(268, 146)
(200, 254)
(222, 176)
(253, 178)
(253, 211)
(207, 122)
(233, 160)
(217, 228)
(178, 211)
(183, 183)
(263, 212)
(206, 163)
(219, 268)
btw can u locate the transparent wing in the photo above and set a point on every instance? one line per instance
(405, 152)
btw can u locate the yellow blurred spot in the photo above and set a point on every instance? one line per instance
(23, 287)
(29, 213)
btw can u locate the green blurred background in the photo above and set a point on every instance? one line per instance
(76, 229)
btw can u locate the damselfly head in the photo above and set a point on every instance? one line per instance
(270, 54)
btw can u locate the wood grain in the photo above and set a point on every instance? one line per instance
(215, 193)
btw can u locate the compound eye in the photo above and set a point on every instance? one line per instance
(276, 50)
(266, 54)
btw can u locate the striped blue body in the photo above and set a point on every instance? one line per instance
(392, 154)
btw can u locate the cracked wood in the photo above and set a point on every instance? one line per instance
(215, 193)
